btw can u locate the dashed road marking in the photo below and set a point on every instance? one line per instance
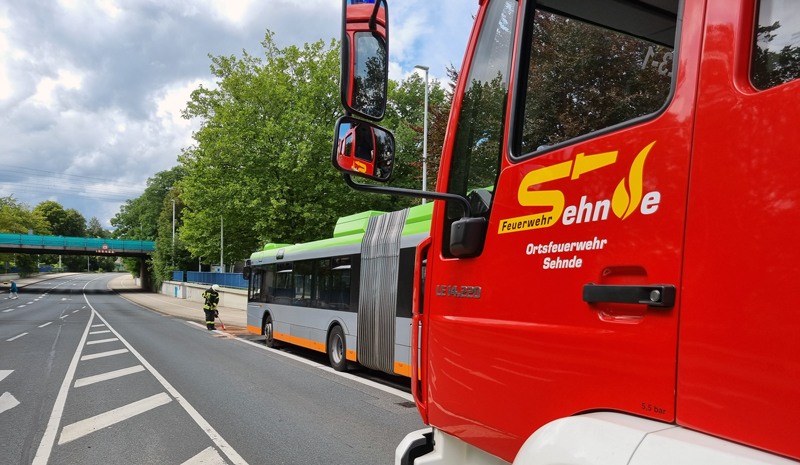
(208, 457)
(9, 310)
(76, 311)
(16, 337)
(104, 420)
(99, 332)
(42, 326)
(106, 376)
(104, 354)
(7, 402)
(97, 326)
(102, 341)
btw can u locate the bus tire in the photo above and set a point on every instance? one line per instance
(268, 332)
(337, 349)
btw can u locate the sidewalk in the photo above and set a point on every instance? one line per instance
(235, 319)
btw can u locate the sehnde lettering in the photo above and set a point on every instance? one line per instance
(583, 212)
(551, 264)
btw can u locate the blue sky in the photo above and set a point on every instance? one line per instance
(91, 90)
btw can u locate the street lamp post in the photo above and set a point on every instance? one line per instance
(173, 233)
(173, 222)
(425, 134)
(221, 241)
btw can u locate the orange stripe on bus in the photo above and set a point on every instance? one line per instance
(253, 329)
(299, 341)
(351, 355)
(402, 369)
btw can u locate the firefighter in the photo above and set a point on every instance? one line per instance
(212, 299)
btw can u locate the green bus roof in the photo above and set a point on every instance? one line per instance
(350, 230)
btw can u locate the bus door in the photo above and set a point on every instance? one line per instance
(574, 142)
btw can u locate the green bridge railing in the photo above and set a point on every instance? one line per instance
(61, 241)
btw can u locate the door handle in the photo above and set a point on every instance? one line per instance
(657, 295)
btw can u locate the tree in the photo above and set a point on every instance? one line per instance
(261, 159)
(95, 229)
(138, 218)
(170, 255)
(18, 218)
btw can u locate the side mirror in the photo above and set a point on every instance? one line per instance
(365, 57)
(363, 149)
(247, 272)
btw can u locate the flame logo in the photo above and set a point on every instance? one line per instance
(623, 204)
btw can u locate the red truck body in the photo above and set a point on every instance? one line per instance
(633, 164)
(713, 208)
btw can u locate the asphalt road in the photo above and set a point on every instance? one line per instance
(88, 377)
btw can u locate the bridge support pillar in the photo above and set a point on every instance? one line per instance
(144, 274)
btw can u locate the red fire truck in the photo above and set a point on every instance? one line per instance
(610, 266)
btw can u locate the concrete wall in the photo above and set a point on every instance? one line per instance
(233, 298)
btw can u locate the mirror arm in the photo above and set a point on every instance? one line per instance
(373, 20)
(408, 193)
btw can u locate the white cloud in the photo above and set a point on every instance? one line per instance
(47, 86)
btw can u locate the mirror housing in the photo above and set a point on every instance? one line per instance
(467, 236)
(365, 57)
(363, 149)
(247, 272)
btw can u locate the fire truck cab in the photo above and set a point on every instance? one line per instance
(618, 287)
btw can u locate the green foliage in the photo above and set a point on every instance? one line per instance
(262, 155)
(170, 256)
(138, 218)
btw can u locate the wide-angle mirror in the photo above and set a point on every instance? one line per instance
(365, 57)
(363, 149)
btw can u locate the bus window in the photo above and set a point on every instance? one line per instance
(267, 277)
(284, 288)
(255, 285)
(302, 272)
(339, 298)
(322, 284)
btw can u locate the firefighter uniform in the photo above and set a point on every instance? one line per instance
(212, 299)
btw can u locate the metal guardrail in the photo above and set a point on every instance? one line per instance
(234, 280)
(89, 243)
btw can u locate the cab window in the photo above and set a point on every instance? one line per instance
(584, 74)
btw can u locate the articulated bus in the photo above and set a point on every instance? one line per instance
(349, 296)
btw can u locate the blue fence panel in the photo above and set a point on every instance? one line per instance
(177, 276)
(53, 241)
(234, 280)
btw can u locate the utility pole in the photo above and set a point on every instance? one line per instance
(221, 242)
(425, 134)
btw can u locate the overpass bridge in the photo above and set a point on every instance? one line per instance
(60, 245)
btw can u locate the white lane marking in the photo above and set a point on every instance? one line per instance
(97, 326)
(84, 306)
(104, 420)
(199, 326)
(9, 310)
(7, 402)
(100, 332)
(42, 326)
(368, 382)
(29, 303)
(106, 376)
(101, 341)
(49, 436)
(62, 317)
(16, 337)
(215, 437)
(4, 373)
(208, 457)
(21, 306)
(76, 311)
(104, 354)
(379, 386)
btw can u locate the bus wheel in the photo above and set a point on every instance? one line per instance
(337, 349)
(268, 328)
